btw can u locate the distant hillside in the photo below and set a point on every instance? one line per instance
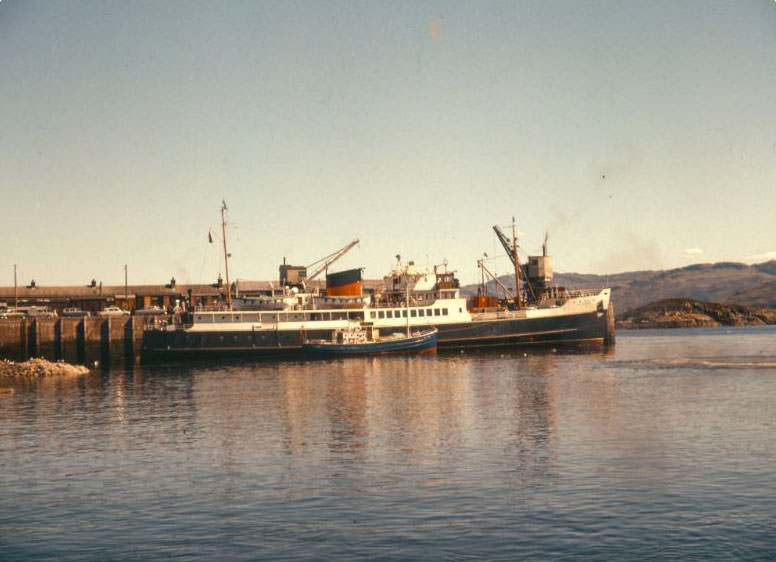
(688, 313)
(723, 282)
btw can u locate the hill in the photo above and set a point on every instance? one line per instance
(722, 282)
(689, 313)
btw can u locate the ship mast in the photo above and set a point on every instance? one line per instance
(407, 301)
(226, 256)
(517, 264)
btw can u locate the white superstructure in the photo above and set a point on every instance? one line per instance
(410, 297)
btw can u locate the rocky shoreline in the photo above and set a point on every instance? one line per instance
(40, 368)
(690, 313)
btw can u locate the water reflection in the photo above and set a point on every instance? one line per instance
(488, 455)
(428, 411)
(490, 408)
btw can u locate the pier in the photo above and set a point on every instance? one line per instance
(75, 340)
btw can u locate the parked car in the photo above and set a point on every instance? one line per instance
(75, 313)
(40, 312)
(11, 314)
(113, 311)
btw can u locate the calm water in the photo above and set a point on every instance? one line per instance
(663, 449)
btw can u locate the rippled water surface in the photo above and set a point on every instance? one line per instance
(663, 448)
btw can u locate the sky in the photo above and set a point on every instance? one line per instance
(639, 135)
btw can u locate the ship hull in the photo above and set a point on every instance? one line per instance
(593, 328)
(587, 328)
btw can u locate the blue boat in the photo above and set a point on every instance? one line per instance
(357, 340)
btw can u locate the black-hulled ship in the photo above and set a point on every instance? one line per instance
(533, 313)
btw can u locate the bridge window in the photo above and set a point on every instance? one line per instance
(413, 313)
(444, 312)
(436, 312)
(381, 314)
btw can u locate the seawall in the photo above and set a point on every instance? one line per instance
(75, 340)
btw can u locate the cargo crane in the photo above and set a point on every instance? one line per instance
(510, 246)
(481, 265)
(324, 263)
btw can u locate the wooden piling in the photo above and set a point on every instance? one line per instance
(35, 344)
(24, 338)
(59, 350)
(105, 340)
(129, 339)
(609, 333)
(80, 340)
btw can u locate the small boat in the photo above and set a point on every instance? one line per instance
(356, 339)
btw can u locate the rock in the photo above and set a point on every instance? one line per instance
(40, 368)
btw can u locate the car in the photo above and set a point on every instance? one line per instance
(39, 312)
(113, 311)
(11, 314)
(75, 313)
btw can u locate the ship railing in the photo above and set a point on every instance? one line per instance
(574, 293)
(500, 315)
(211, 308)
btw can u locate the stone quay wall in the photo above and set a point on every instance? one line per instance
(75, 340)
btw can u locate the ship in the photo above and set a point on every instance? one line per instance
(358, 340)
(532, 313)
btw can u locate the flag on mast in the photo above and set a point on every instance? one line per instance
(210, 236)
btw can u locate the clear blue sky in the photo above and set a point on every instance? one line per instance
(642, 135)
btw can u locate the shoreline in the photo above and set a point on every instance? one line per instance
(40, 368)
(691, 313)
